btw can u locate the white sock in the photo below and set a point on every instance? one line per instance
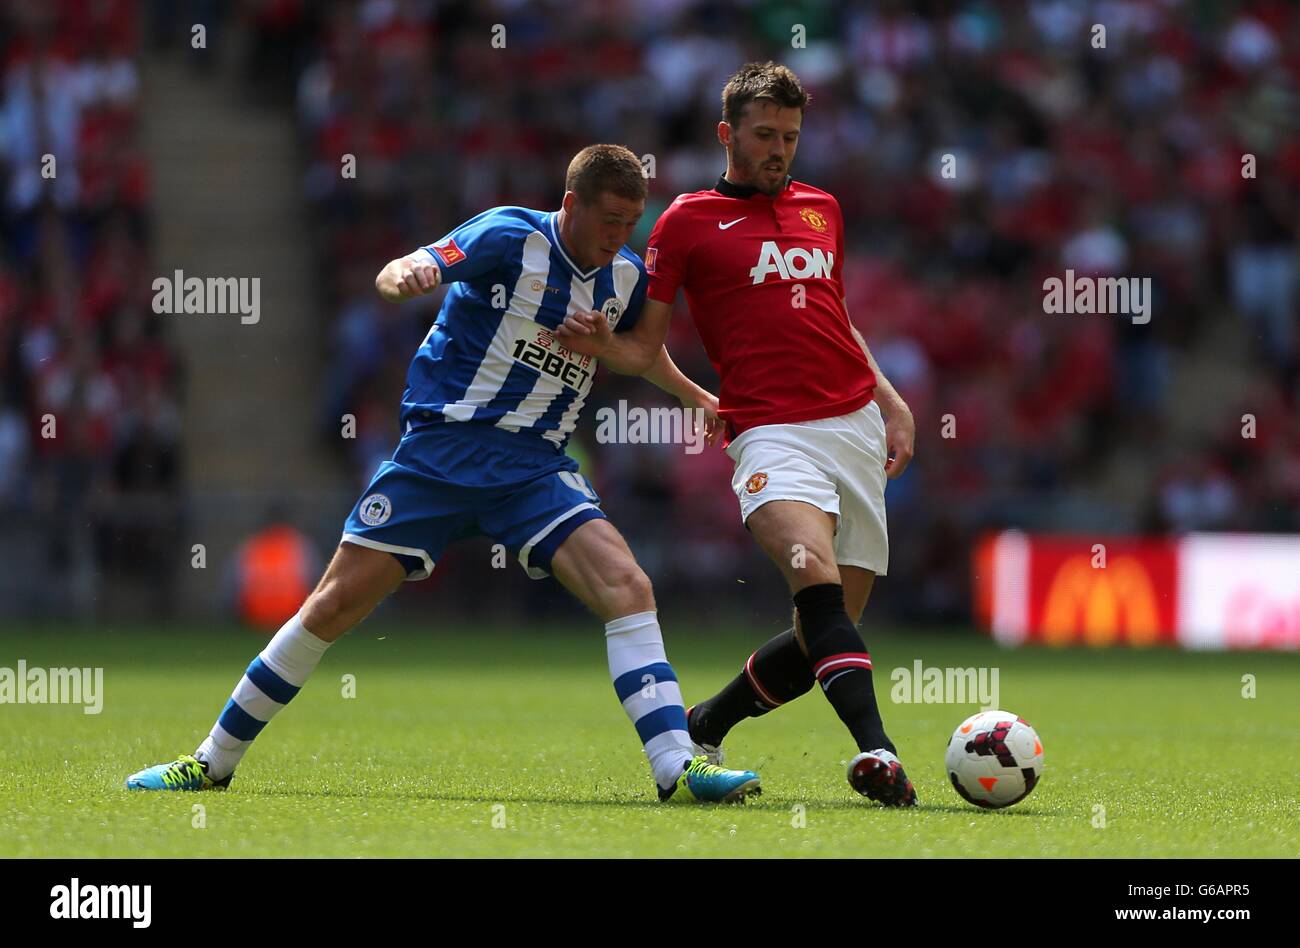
(647, 686)
(270, 682)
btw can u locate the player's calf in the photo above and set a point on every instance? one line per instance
(355, 582)
(596, 565)
(841, 663)
(775, 674)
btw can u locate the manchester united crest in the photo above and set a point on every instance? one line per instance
(756, 483)
(814, 219)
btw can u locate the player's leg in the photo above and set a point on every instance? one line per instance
(800, 540)
(835, 649)
(595, 564)
(779, 670)
(773, 471)
(381, 547)
(775, 674)
(796, 484)
(356, 580)
(556, 526)
(857, 583)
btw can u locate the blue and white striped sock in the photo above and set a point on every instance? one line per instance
(271, 681)
(647, 686)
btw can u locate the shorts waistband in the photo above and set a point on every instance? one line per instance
(479, 432)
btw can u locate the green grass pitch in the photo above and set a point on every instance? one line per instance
(469, 743)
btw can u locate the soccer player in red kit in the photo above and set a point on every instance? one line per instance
(813, 426)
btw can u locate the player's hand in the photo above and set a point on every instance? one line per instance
(417, 278)
(587, 333)
(407, 278)
(900, 438)
(714, 427)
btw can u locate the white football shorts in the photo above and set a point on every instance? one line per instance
(835, 464)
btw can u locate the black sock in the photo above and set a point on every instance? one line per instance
(840, 662)
(778, 672)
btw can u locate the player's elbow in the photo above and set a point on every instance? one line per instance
(642, 358)
(645, 360)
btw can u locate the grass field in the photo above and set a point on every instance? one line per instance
(448, 732)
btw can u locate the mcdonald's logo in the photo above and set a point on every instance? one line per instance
(1099, 603)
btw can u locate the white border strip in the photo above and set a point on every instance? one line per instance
(390, 548)
(536, 572)
(1010, 587)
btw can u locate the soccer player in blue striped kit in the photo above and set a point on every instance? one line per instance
(492, 397)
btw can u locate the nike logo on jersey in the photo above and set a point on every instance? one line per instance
(795, 264)
(722, 226)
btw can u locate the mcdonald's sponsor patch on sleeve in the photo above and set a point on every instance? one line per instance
(449, 252)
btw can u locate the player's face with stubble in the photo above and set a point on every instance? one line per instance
(761, 148)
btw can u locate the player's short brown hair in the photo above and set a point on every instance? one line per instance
(600, 168)
(767, 80)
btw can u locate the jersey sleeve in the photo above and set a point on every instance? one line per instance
(636, 302)
(478, 246)
(665, 254)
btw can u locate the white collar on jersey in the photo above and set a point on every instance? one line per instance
(582, 275)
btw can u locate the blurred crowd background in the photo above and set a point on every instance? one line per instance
(1124, 160)
(90, 479)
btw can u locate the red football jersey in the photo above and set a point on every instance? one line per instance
(741, 256)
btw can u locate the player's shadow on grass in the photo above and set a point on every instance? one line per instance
(435, 795)
(784, 803)
(960, 808)
(767, 802)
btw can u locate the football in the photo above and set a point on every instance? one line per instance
(994, 759)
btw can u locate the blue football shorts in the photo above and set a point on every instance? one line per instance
(454, 480)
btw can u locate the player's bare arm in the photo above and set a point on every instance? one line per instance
(666, 375)
(628, 353)
(641, 352)
(900, 427)
(408, 277)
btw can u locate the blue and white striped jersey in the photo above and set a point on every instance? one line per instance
(491, 357)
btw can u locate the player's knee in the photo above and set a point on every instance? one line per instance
(627, 589)
(640, 589)
(634, 584)
(813, 566)
(320, 611)
(330, 610)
